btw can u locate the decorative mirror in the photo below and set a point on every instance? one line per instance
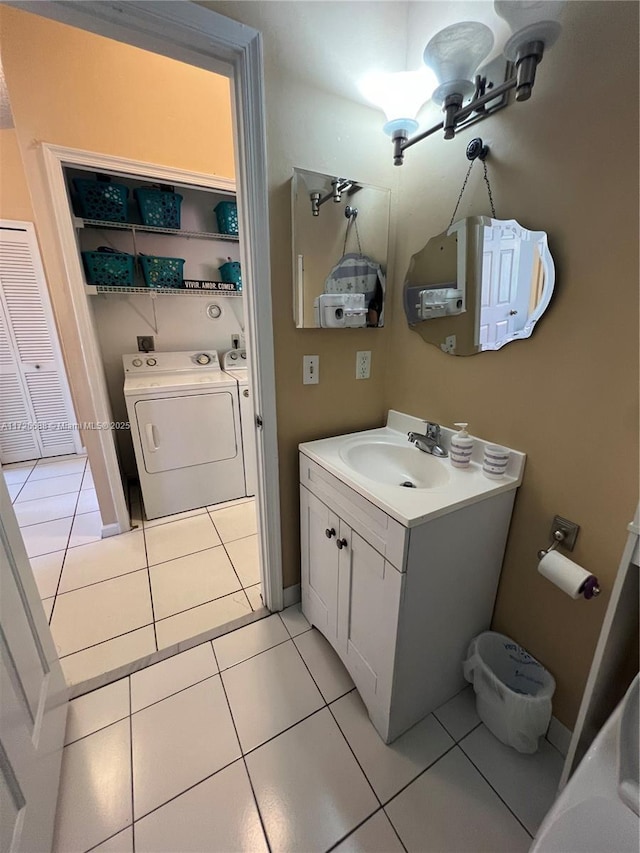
(340, 246)
(479, 285)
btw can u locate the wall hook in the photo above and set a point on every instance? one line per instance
(477, 150)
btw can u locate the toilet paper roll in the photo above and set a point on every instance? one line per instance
(564, 573)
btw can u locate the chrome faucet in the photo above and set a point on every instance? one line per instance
(429, 443)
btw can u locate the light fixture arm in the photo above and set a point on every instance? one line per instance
(522, 80)
(338, 186)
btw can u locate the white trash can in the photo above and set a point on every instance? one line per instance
(513, 690)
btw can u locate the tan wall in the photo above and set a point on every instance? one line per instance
(567, 162)
(339, 403)
(75, 89)
(14, 192)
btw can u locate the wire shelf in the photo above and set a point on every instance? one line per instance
(95, 289)
(153, 229)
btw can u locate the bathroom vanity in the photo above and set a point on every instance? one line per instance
(399, 578)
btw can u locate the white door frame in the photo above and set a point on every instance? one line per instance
(200, 37)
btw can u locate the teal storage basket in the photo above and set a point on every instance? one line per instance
(158, 208)
(101, 200)
(230, 273)
(162, 272)
(227, 217)
(111, 269)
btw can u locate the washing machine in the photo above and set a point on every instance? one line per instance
(234, 362)
(186, 429)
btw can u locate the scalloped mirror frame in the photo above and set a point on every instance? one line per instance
(481, 284)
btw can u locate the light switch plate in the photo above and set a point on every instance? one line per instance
(310, 369)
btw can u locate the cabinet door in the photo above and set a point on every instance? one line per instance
(319, 564)
(369, 602)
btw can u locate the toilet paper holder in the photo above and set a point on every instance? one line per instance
(563, 532)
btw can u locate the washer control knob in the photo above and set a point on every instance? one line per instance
(137, 362)
(233, 356)
(245, 393)
(203, 358)
(152, 362)
(243, 355)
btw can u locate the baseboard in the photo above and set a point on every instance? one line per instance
(291, 595)
(559, 736)
(111, 530)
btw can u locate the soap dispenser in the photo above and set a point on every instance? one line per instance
(461, 447)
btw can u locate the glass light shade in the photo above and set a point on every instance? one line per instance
(399, 95)
(530, 20)
(454, 54)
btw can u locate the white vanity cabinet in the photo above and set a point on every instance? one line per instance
(398, 604)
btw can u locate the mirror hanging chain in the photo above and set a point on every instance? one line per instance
(476, 150)
(351, 214)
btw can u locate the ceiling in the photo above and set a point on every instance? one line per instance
(331, 44)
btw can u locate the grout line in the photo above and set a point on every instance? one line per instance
(195, 607)
(244, 760)
(36, 523)
(500, 797)
(97, 583)
(100, 843)
(64, 557)
(146, 557)
(102, 728)
(185, 791)
(133, 829)
(256, 655)
(94, 645)
(175, 692)
(180, 556)
(151, 524)
(201, 604)
(421, 773)
(356, 828)
(338, 724)
(393, 827)
(229, 557)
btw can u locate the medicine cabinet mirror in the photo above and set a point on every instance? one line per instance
(340, 247)
(479, 285)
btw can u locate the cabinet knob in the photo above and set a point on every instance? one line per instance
(329, 532)
(341, 543)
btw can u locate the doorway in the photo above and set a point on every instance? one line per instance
(242, 63)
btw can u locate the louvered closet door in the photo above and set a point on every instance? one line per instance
(35, 405)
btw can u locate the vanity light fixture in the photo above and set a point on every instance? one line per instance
(454, 55)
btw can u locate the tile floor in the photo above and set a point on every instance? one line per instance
(258, 741)
(112, 601)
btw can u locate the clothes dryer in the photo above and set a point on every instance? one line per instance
(234, 362)
(186, 429)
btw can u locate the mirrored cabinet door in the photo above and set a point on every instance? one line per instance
(340, 248)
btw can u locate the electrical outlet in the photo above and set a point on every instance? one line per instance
(146, 343)
(235, 341)
(363, 364)
(310, 369)
(449, 344)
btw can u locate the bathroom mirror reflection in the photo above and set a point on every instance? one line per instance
(479, 285)
(340, 245)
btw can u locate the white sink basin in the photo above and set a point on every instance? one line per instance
(394, 464)
(377, 462)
